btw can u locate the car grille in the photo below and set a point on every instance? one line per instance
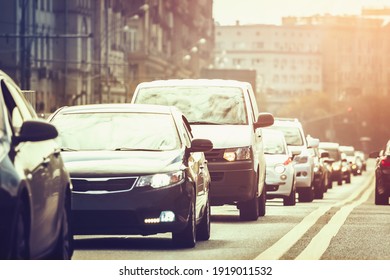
(111, 184)
(215, 155)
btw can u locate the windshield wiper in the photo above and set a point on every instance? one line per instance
(68, 150)
(204, 122)
(132, 149)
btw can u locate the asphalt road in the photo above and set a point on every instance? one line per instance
(345, 225)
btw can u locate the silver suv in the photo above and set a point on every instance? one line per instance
(226, 112)
(304, 162)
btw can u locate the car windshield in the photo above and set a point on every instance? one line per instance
(348, 152)
(273, 144)
(200, 104)
(333, 153)
(116, 131)
(292, 135)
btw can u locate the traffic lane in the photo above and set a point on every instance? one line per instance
(365, 234)
(230, 237)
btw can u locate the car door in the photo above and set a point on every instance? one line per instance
(34, 161)
(198, 167)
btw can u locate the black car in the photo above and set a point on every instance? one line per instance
(340, 167)
(135, 169)
(382, 175)
(321, 179)
(35, 188)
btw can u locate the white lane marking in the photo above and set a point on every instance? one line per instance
(277, 250)
(321, 241)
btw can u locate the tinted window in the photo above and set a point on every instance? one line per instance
(220, 105)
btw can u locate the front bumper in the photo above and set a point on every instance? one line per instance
(231, 182)
(125, 212)
(303, 175)
(276, 186)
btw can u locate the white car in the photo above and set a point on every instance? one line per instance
(280, 173)
(298, 144)
(226, 112)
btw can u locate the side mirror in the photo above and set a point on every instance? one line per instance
(324, 154)
(201, 145)
(264, 120)
(36, 130)
(313, 142)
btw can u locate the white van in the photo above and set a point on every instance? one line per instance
(226, 112)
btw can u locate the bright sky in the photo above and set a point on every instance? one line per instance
(226, 12)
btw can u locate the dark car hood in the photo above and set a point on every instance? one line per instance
(101, 163)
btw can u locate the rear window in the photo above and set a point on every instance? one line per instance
(200, 104)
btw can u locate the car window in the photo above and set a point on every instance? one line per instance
(205, 104)
(117, 131)
(292, 135)
(273, 143)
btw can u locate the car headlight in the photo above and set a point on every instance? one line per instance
(237, 154)
(316, 169)
(280, 168)
(161, 179)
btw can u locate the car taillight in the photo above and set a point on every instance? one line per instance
(287, 161)
(385, 162)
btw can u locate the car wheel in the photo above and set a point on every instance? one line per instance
(187, 237)
(249, 210)
(348, 180)
(262, 203)
(291, 199)
(319, 191)
(339, 182)
(380, 199)
(306, 195)
(64, 246)
(20, 248)
(203, 229)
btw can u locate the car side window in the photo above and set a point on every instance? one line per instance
(252, 108)
(14, 114)
(186, 132)
(18, 108)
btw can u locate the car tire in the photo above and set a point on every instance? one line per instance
(380, 199)
(339, 182)
(348, 180)
(319, 191)
(64, 246)
(262, 203)
(249, 210)
(306, 195)
(203, 229)
(291, 199)
(187, 237)
(20, 246)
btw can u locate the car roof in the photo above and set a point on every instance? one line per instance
(325, 145)
(195, 82)
(142, 108)
(272, 131)
(291, 122)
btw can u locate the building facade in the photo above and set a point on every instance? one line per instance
(86, 51)
(287, 59)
